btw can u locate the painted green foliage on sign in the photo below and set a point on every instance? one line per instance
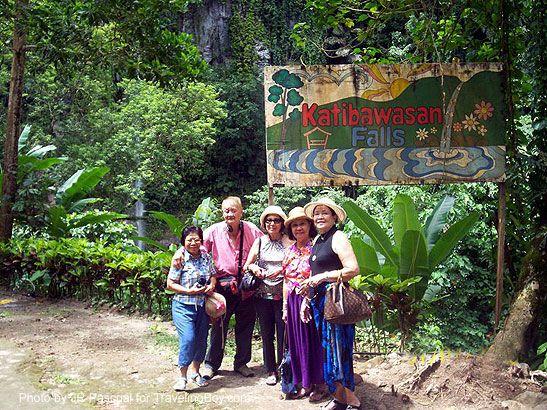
(285, 95)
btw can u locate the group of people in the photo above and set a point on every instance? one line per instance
(295, 259)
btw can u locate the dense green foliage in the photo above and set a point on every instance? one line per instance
(103, 271)
(27, 210)
(154, 140)
(235, 164)
(466, 279)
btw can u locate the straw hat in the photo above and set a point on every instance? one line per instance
(272, 210)
(215, 305)
(340, 213)
(296, 213)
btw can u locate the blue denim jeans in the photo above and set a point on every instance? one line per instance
(192, 325)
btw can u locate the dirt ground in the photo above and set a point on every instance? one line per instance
(66, 354)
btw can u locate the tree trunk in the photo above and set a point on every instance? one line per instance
(13, 125)
(527, 308)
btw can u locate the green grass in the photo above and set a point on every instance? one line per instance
(162, 339)
(62, 379)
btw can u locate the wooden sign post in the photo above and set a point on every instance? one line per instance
(501, 252)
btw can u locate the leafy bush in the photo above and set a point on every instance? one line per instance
(463, 310)
(399, 274)
(115, 273)
(542, 349)
(109, 231)
(286, 198)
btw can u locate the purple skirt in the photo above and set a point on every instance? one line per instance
(304, 346)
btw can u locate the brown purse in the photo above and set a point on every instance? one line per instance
(345, 305)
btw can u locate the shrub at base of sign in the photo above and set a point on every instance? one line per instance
(398, 274)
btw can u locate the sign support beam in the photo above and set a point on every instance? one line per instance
(501, 251)
(270, 195)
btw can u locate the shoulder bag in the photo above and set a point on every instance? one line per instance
(285, 370)
(250, 282)
(344, 304)
(229, 285)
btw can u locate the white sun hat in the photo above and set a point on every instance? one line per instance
(338, 210)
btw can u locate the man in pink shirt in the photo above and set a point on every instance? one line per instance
(222, 240)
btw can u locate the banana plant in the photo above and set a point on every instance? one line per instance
(401, 269)
(71, 198)
(34, 159)
(418, 249)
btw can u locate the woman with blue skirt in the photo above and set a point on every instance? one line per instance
(332, 257)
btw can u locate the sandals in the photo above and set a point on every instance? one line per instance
(181, 384)
(271, 380)
(300, 394)
(199, 381)
(335, 405)
(318, 395)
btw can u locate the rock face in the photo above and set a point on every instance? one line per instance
(264, 55)
(208, 23)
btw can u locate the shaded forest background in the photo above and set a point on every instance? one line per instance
(168, 95)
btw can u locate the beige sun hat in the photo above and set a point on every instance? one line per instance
(272, 210)
(215, 305)
(340, 213)
(296, 213)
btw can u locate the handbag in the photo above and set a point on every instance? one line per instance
(228, 286)
(285, 370)
(250, 282)
(344, 304)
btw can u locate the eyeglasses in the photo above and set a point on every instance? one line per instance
(193, 240)
(273, 221)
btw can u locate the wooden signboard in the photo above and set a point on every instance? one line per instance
(384, 124)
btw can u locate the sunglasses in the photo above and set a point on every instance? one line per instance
(273, 221)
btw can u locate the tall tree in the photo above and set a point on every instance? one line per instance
(517, 338)
(13, 126)
(132, 39)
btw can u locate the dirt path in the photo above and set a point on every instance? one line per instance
(64, 354)
(17, 390)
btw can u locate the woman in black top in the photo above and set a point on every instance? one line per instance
(332, 256)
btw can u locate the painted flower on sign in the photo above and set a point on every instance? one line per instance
(484, 110)
(457, 126)
(422, 134)
(482, 130)
(470, 122)
(434, 130)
